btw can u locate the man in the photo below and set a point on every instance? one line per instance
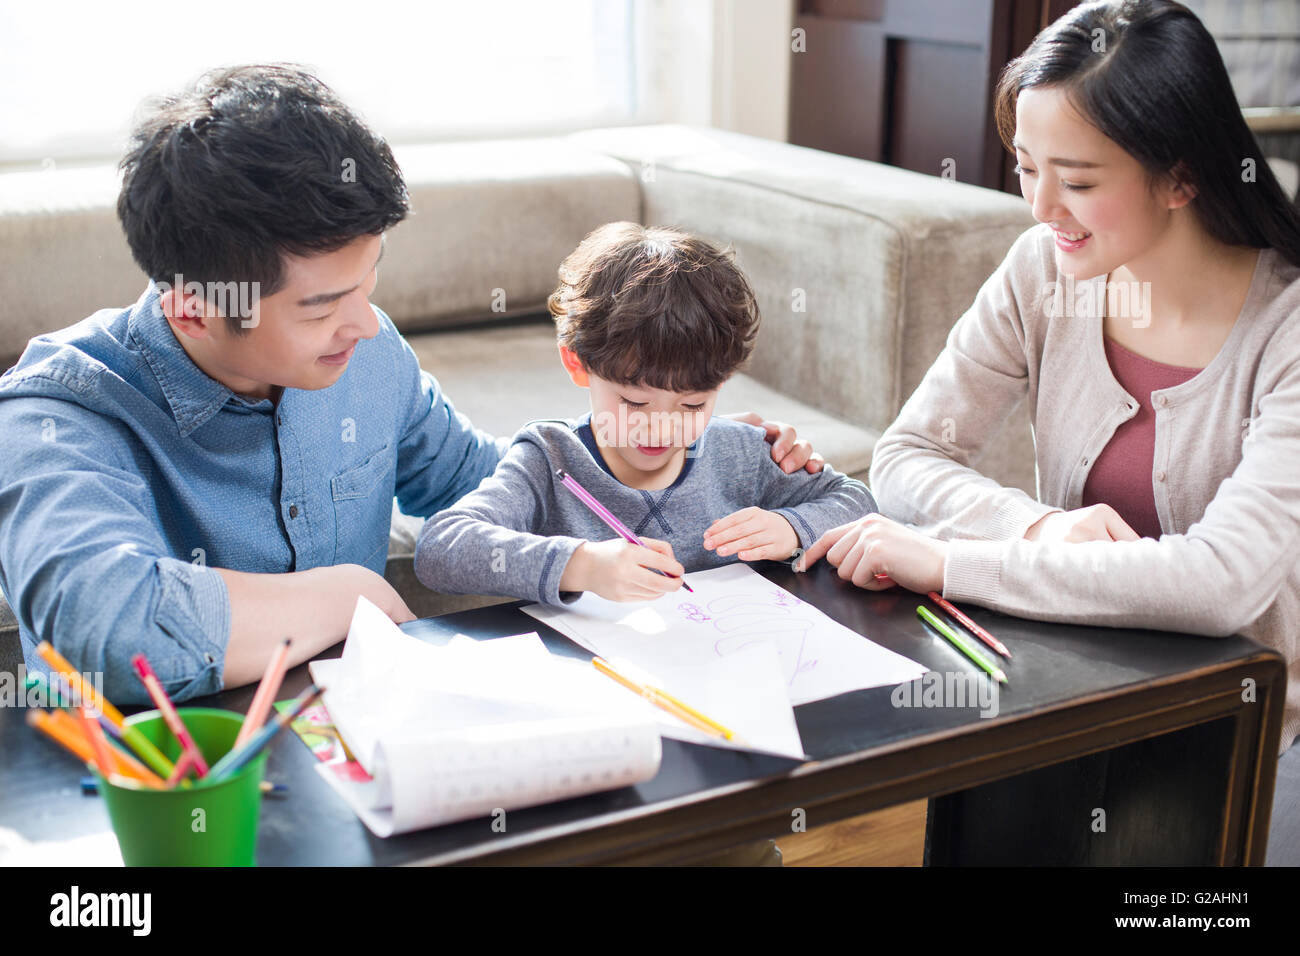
(212, 469)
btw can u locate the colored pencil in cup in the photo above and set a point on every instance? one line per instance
(960, 617)
(183, 764)
(64, 723)
(98, 745)
(137, 741)
(962, 644)
(607, 516)
(232, 761)
(173, 719)
(665, 701)
(267, 688)
(57, 695)
(71, 739)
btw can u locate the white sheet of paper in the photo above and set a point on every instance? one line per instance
(744, 692)
(733, 607)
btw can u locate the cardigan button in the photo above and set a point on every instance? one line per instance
(293, 511)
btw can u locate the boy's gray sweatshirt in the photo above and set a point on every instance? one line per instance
(514, 534)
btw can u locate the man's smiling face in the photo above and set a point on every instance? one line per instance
(304, 335)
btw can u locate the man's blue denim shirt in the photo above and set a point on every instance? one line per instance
(127, 474)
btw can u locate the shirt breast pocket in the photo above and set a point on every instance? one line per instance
(363, 509)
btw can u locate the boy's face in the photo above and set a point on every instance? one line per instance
(303, 336)
(647, 429)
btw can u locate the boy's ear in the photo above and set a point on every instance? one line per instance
(187, 314)
(573, 365)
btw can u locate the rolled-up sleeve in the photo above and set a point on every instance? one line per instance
(84, 564)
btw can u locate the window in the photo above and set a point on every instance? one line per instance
(73, 74)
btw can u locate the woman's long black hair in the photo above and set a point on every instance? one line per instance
(1149, 76)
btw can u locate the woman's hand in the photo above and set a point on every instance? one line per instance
(752, 534)
(1094, 523)
(874, 545)
(787, 451)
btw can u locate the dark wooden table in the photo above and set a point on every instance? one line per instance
(1109, 747)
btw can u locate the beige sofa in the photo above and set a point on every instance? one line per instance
(860, 270)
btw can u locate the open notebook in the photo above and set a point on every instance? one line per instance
(461, 731)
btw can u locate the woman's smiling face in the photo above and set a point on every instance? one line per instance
(1096, 197)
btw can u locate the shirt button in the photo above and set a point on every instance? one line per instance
(1162, 401)
(293, 511)
(1084, 462)
(1160, 476)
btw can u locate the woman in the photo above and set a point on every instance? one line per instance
(1153, 320)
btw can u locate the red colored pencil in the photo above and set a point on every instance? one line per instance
(173, 719)
(956, 614)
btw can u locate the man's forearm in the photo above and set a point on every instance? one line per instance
(313, 607)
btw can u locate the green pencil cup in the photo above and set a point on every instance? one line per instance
(207, 824)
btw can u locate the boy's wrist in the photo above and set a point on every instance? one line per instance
(574, 575)
(792, 539)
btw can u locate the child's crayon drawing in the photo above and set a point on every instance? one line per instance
(748, 617)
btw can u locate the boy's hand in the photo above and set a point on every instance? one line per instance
(752, 534)
(618, 570)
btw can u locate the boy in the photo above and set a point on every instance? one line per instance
(652, 322)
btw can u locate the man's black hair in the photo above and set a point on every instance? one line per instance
(251, 163)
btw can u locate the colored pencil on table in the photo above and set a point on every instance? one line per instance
(242, 755)
(607, 516)
(90, 787)
(960, 617)
(137, 741)
(173, 719)
(665, 701)
(962, 644)
(265, 694)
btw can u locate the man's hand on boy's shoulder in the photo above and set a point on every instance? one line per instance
(789, 451)
(752, 534)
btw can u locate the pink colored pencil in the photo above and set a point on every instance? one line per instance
(265, 694)
(164, 705)
(604, 514)
(183, 764)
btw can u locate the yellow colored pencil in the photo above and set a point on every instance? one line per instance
(666, 701)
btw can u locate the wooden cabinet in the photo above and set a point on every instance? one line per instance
(910, 82)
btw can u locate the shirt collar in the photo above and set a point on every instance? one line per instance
(192, 396)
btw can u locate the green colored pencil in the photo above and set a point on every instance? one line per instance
(962, 644)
